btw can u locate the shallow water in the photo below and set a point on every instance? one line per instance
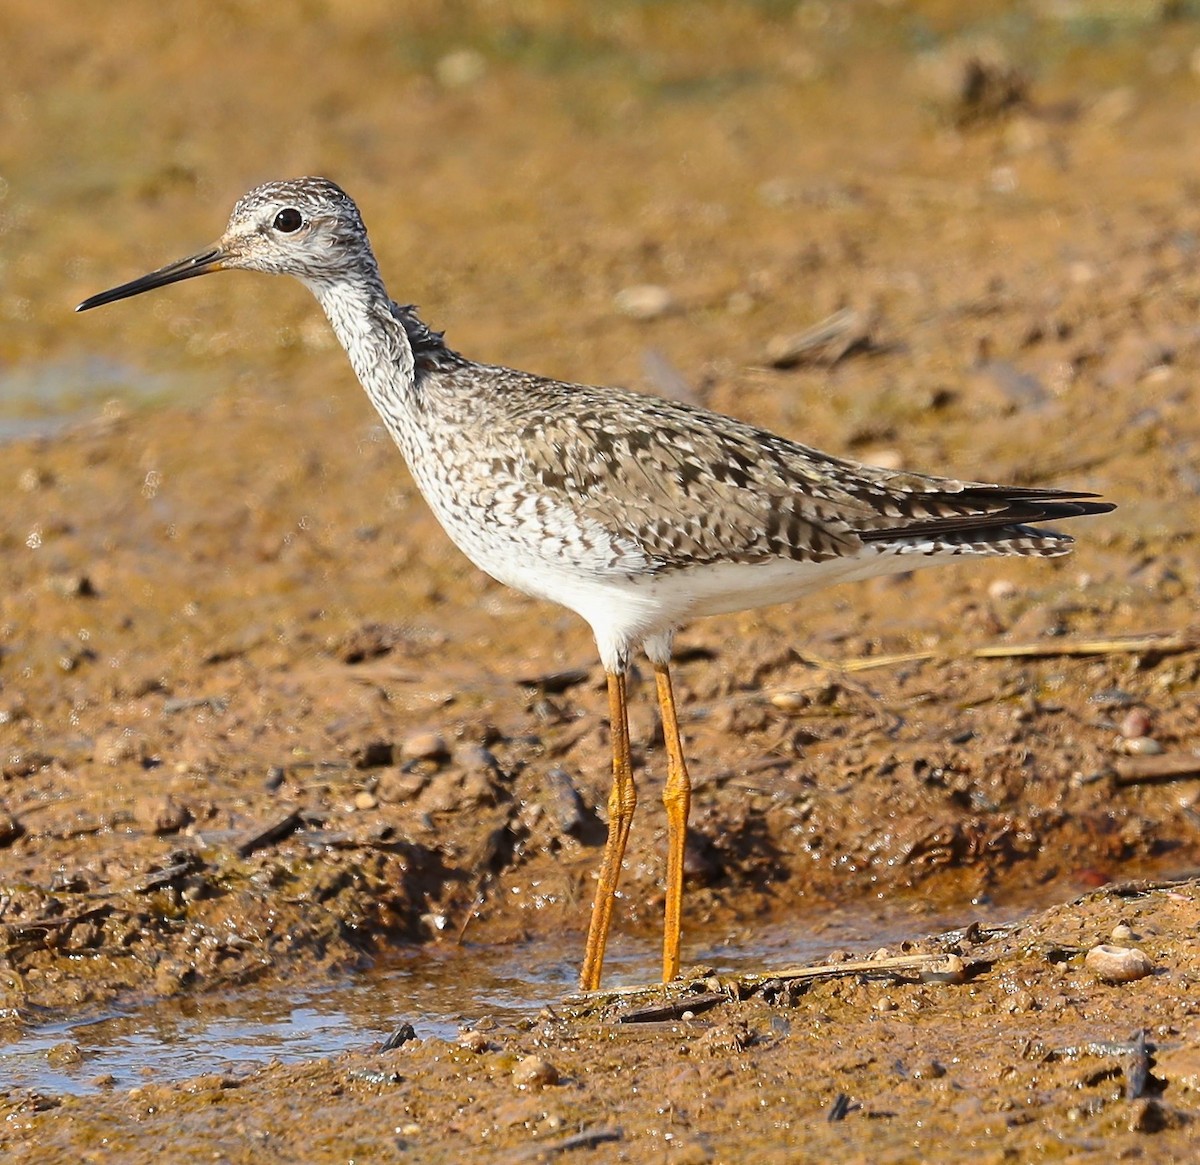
(439, 990)
(42, 399)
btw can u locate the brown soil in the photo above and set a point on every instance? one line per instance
(260, 721)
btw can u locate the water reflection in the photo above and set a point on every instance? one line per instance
(436, 989)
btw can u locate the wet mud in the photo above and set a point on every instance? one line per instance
(262, 726)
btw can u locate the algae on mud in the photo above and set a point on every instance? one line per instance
(232, 607)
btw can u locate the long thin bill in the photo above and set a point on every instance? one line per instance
(187, 268)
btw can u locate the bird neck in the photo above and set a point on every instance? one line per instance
(380, 351)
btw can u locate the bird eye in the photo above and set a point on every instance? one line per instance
(289, 220)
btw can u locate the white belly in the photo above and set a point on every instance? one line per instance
(538, 546)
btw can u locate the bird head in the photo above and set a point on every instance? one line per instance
(306, 227)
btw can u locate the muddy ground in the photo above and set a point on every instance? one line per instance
(261, 722)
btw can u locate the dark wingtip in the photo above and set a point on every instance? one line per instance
(1073, 509)
(1024, 507)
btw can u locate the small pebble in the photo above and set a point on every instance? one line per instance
(114, 746)
(424, 746)
(364, 800)
(72, 586)
(460, 68)
(209, 1082)
(396, 787)
(444, 794)
(474, 1042)
(1122, 933)
(1140, 746)
(32, 479)
(534, 1072)
(789, 701)
(1135, 724)
(64, 1055)
(645, 301)
(882, 458)
(951, 969)
(1001, 588)
(161, 815)
(1114, 964)
(1022, 1002)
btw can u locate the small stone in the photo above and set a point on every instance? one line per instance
(71, 586)
(789, 701)
(520, 1111)
(209, 1082)
(398, 788)
(951, 969)
(1140, 746)
(64, 1055)
(723, 1038)
(882, 458)
(161, 815)
(424, 746)
(32, 479)
(1022, 1002)
(444, 794)
(534, 1072)
(114, 746)
(1001, 588)
(364, 800)
(474, 1042)
(644, 301)
(460, 68)
(929, 1070)
(168, 980)
(477, 789)
(1114, 964)
(1122, 933)
(1135, 724)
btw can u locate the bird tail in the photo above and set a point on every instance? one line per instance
(990, 520)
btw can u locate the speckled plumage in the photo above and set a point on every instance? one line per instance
(637, 513)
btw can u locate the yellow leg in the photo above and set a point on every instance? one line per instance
(622, 801)
(677, 798)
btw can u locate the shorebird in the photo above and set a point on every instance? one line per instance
(637, 513)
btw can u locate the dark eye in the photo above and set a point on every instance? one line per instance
(289, 220)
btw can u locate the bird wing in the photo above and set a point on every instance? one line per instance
(688, 486)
